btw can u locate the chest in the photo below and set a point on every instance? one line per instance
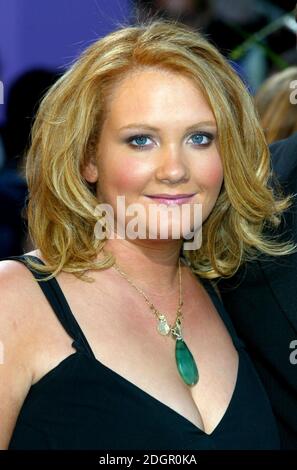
(122, 333)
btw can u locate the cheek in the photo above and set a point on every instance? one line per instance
(210, 182)
(215, 176)
(209, 174)
(127, 177)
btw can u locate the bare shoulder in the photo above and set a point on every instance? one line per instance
(17, 291)
(16, 281)
(19, 301)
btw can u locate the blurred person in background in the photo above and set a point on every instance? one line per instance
(276, 105)
(262, 301)
(194, 13)
(234, 27)
(262, 296)
(2, 153)
(22, 104)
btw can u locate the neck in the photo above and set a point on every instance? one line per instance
(153, 266)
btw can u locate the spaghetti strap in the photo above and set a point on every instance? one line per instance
(59, 304)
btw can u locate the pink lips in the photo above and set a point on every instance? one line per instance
(172, 199)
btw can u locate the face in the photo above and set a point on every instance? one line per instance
(159, 137)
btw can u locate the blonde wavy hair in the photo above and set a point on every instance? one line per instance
(61, 216)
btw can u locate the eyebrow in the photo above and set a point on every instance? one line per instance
(143, 125)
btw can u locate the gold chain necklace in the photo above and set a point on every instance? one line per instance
(185, 362)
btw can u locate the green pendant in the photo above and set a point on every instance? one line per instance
(185, 362)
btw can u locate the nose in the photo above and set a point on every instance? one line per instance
(172, 167)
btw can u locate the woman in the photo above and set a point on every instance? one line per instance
(148, 112)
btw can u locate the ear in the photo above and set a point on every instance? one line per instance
(90, 172)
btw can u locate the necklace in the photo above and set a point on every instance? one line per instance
(185, 362)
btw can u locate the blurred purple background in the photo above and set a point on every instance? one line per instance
(51, 33)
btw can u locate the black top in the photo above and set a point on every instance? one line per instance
(262, 302)
(82, 404)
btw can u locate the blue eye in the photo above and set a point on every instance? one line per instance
(140, 141)
(203, 140)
